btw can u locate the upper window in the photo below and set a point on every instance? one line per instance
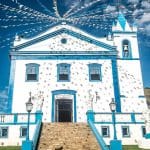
(105, 131)
(63, 72)
(125, 131)
(95, 72)
(32, 72)
(23, 131)
(126, 49)
(3, 132)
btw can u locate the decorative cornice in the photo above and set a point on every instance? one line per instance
(63, 55)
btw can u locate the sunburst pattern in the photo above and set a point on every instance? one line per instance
(29, 18)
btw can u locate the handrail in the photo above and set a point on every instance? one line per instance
(19, 118)
(100, 140)
(105, 117)
(36, 134)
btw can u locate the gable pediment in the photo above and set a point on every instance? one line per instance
(64, 40)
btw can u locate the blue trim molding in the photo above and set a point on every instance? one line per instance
(63, 91)
(133, 117)
(11, 84)
(46, 56)
(141, 96)
(116, 85)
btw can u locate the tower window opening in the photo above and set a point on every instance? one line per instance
(126, 48)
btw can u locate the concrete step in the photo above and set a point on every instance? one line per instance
(67, 136)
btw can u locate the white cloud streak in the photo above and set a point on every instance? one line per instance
(4, 93)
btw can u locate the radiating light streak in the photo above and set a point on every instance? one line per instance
(56, 9)
(25, 32)
(26, 14)
(44, 7)
(22, 24)
(83, 7)
(18, 11)
(35, 12)
(71, 9)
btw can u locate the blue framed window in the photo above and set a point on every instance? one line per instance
(63, 72)
(95, 72)
(126, 49)
(143, 131)
(3, 132)
(32, 72)
(23, 131)
(125, 131)
(105, 131)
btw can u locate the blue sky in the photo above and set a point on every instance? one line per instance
(31, 17)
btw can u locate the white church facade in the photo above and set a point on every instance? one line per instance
(70, 72)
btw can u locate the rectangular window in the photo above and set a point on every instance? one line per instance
(94, 72)
(143, 131)
(32, 72)
(3, 132)
(105, 131)
(23, 131)
(63, 71)
(125, 131)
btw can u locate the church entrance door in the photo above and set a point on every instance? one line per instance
(63, 111)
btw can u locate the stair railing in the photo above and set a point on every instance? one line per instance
(99, 138)
(37, 130)
(37, 134)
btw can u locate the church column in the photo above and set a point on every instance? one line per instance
(116, 85)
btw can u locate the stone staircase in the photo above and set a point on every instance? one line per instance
(67, 136)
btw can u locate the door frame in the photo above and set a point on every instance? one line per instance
(67, 92)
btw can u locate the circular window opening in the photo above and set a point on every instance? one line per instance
(64, 41)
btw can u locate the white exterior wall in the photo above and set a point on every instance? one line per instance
(132, 37)
(79, 82)
(14, 138)
(133, 139)
(131, 86)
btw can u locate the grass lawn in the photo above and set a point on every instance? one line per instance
(10, 148)
(131, 147)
